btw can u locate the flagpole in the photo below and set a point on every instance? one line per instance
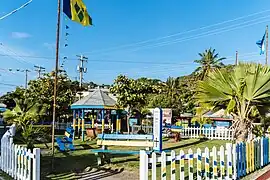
(266, 48)
(55, 77)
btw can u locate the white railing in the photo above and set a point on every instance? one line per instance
(193, 132)
(191, 165)
(18, 161)
(209, 133)
(63, 126)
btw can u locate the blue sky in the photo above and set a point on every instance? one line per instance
(31, 33)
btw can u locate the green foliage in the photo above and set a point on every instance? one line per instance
(209, 60)
(244, 91)
(132, 93)
(24, 115)
(199, 118)
(42, 91)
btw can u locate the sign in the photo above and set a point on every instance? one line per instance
(157, 129)
(167, 115)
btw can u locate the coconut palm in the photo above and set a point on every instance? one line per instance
(209, 60)
(243, 91)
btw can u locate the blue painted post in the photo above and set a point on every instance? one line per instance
(74, 123)
(102, 121)
(83, 128)
(244, 159)
(238, 161)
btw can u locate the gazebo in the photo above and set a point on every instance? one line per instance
(97, 102)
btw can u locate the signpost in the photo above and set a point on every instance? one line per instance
(157, 129)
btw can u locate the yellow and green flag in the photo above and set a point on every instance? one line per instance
(76, 11)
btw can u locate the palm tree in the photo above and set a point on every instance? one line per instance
(209, 60)
(24, 115)
(243, 91)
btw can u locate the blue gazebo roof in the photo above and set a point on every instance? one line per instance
(96, 100)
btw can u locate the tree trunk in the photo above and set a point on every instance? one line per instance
(241, 132)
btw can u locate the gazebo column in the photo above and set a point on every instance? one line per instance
(79, 124)
(110, 121)
(93, 119)
(74, 123)
(103, 121)
(83, 128)
(118, 123)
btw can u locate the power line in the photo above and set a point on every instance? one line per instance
(6, 84)
(177, 34)
(205, 34)
(15, 10)
(15, 56)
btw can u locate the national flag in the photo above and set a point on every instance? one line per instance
(76, 11)
(261, 44)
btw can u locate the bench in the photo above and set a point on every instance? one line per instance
(66, 143)
(105, 140)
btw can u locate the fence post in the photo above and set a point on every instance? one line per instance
(234, 161)
(229, 161)
(172, 165)
(199, 164)
(28, 165)
(190, 164)
(163, 166)
(212, 133)
(207, 164)
(15, 161)
(262, 150)
(248, 158)
(154, 166)
(143, 165)
(222, 163)
(36, 164)
(215, 173)
(182, 165)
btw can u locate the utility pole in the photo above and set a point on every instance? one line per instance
(39, 69)
(26, 77)
(266, 48)
(81, 67)
(236, 58)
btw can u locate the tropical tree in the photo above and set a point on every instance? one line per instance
(24, 115)
(209, 60)
(41, 91)
(132, 94)
(245, 91)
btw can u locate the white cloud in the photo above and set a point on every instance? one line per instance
(20, 35)
(50, 46)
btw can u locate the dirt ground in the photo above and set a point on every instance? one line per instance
(108, 174)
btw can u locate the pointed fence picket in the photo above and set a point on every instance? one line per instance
(19, 162)
(231, 162)
(194, 132)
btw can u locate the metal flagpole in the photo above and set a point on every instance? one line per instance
(266, 44)
(55, 77)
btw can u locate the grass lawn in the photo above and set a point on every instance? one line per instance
(71, 165)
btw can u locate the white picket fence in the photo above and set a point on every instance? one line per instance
(193, 132)
(209, 133)
(18, 161)
(191, 165)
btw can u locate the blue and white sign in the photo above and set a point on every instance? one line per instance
(157, 129)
